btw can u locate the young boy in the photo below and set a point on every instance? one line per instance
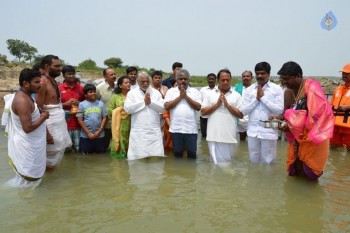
(92, 118)
(72, 94)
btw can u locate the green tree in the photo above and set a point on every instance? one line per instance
(113, 62)
(19, 49)
(87, 64)
(30, 52)
(3, 59)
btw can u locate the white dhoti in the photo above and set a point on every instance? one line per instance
(221, 152)
(57, 126)
(145, 143)
(27, 151)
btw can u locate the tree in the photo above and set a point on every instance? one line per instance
(113, 62)
(87, 64)
(3, 59)
(19, 49)
(30, 52)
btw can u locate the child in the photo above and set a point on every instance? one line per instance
(92, 118)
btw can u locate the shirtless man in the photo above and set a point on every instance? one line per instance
(26, 135)
(48, 98)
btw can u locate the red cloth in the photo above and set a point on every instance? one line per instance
(67, 93)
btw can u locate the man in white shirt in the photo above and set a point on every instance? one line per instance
(183, 103)
(247, 77)
(104, 93)
(144, 104)
(221, 106)
(157, 77)
(211, 79)
(131, 72)
(261, 100)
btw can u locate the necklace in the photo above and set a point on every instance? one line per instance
(54, 84)
(300, 91)
(27, 94)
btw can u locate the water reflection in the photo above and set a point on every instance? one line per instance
(97, 194)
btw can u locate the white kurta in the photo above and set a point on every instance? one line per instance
(221, 129)
(145, 135)
(27, 150)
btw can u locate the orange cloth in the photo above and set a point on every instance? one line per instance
(313, 155)
(168, 143)
(116, 119)
(341, 96)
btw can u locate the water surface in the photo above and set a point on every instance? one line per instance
(97, 194)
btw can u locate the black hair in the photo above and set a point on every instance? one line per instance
(68, 69)
(223, 71)
(104, 72)
(157, 72)
(290, 68)
(263, 66)
(28, 75)
(37, 67)
(47, 60)
(131, 69)
(118, 89)
(89, 87)
(176, 65)
(211, 74)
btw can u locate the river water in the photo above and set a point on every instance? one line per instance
(97, 194)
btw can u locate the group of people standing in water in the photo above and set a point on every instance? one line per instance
(138, 115)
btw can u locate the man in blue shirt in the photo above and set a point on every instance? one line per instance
(176, 67)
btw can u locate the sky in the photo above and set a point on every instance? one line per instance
(205, 35)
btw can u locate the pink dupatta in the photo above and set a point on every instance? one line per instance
(316, 123)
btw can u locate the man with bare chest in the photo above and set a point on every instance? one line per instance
(48, 99)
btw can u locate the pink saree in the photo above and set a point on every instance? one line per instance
(310, 130)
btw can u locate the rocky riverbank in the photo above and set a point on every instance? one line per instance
(9, 80)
